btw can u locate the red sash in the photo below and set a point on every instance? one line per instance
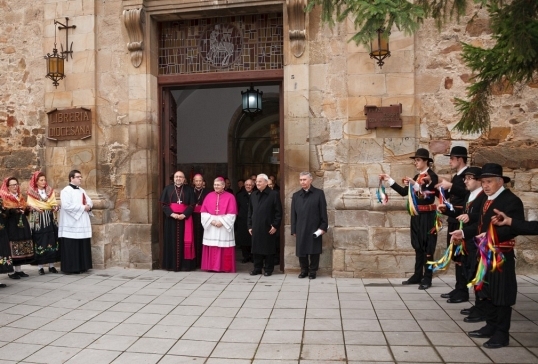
(198, 208)
(188, 236)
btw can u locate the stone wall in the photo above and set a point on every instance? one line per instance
(325, 91)
(424, 73)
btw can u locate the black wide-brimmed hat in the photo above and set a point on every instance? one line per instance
(476, 172)
(458, 151)
(493, 170)
(422, 153)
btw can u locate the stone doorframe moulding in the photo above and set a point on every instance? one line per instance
(135, 22)
(297, 26)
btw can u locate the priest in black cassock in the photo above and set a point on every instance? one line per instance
(199, 194)
(177, 201)
(499, 291)
(309, 222)
(242, 237)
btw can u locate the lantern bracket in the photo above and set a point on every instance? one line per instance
(69, 47)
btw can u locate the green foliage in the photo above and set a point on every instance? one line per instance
(513, 58)
(370, 15)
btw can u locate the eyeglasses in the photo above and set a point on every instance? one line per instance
(468, 178)
(13, 185)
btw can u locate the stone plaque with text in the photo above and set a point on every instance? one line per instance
(69, 124)
(383, 116)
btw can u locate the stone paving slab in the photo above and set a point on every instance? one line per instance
(138, 316)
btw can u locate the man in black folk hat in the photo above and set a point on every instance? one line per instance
(456, 195)
(468, 215)
(421, 239)
(499, 294)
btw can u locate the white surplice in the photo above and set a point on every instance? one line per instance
(222, 237)
(74, 220)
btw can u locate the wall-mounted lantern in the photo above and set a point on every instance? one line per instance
(55, 61)
(379, 47)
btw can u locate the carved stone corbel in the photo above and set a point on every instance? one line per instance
(297, 27)
(135, 21)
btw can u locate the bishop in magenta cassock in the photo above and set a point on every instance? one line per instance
(218, 216)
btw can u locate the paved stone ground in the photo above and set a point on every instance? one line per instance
(139, 316)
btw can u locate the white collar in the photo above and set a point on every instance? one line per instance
(496, 194)
(461, 170)
(474, 193)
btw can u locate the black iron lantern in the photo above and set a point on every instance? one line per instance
(379, 47)
(55, 66)
(55, 61)
(252, 100)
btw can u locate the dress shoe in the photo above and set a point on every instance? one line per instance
(268, 274)
(474, 319)
(22, 274)
(424, 285)
(466, 311)
(255, 272)
(52, 270)
(302, 275)
(479, 334)
(312, 276)
(494, 344)
(41, 271)
(445, 295)
(457, 300)
(2, 285)
(14, 276)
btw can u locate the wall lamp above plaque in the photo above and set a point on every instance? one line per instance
(252, 101)
(55, 61)
(379, 47)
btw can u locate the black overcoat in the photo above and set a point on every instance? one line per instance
(501, 286)
(242, 236)
(308, 214)
(265, 210)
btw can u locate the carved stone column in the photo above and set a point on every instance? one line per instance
(297, 27)
(134, 20)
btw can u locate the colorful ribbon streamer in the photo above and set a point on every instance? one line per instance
(437, 224)
(443, 199)
(381, 194)
(444, 262)
(412, 208)
(490, 257)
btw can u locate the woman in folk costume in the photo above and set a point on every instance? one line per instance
(218, 216)
(18, 229)
(6, 263)
(43, 222)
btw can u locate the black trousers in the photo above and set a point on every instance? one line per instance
(498, 319)
(424, 244)
(259, 261)
(245, 250)
(311, 266)
(460, 289)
